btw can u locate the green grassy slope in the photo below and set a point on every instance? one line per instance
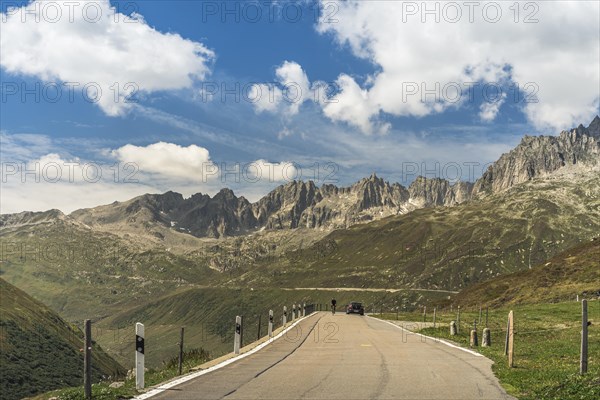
(575, 271)
(448, 247)
(40, 351)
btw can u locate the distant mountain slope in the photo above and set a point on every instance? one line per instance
(575, 271)
(40, 351)
(449, 247)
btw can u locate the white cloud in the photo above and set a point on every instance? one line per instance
(169, 160)
(67, 184)
(290, 91)
(559, 54)
(117, 53)
(489, 110)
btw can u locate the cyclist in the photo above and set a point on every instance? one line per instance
(333, 303)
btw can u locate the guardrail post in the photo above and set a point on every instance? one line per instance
(238, 335)
(87, 359)
(284, 318)
(270, 323)
(139, 355)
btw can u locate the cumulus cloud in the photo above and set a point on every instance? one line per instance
(89, 44)
(168, 160)
(489, 110)
(53, 181)
(291, 89)
(414, 54)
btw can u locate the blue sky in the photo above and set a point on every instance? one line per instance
(367, 54)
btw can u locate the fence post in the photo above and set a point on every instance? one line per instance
(434, 312)
(238, 335)
(241, 331)
(424, 313)
(583, 362)
(270, 323)
(87, 359)
(458, 321)
(139, 356)
(480, 314)
(180, 352)
(258, 333)
(506, 339)
(511, 339)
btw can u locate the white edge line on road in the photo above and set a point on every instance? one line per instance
(194, 375)
(429, 337)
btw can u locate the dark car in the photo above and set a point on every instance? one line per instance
(355, 308)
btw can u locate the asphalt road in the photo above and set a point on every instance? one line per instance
(348, 357)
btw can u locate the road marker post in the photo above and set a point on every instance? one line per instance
(139, 355)
(486, 340)
(87, 359)
(293, 312)
(270, 324)
(238, 335)
(473, 341)
(304, 309)
(284, 318)
(583, 361)
(452, 328)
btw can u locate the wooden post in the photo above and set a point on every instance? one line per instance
(506, 340)
(258, 333)
(583, 362)
(87, 359)
(479, 314)
(396, 313)
(434, 312)
(511, 339)
(180, 366)
(458, 321)
(424, 313)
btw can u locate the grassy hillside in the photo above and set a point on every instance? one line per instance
(40, 351)
(575, 271)
(448, 247)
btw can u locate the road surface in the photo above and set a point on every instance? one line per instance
(348, 357)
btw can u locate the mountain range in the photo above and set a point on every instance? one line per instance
(299, 204)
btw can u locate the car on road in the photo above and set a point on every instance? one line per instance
(355, 308)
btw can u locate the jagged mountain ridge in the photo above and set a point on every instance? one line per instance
(304, 204)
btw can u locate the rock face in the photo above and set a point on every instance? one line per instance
(303, 204)
(541, 155)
